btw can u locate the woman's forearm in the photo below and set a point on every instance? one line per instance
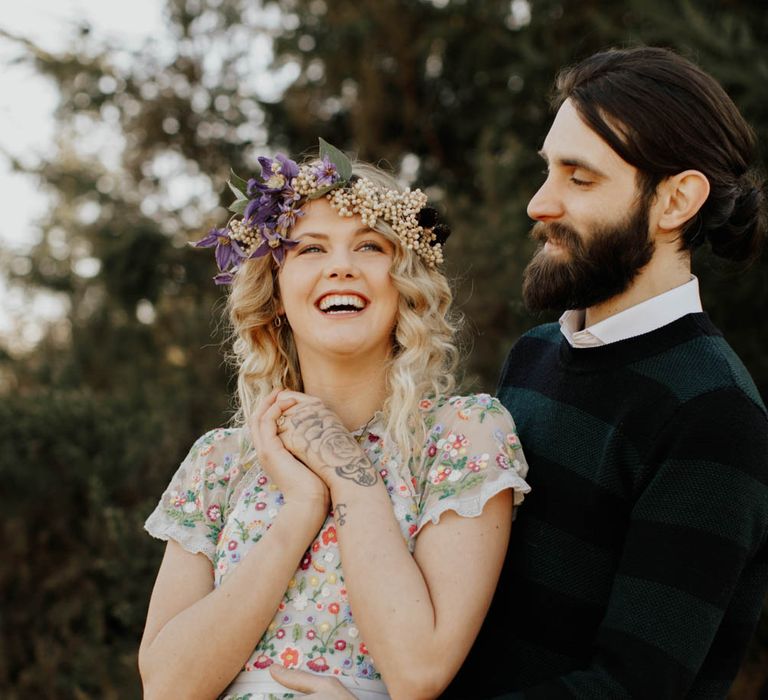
(388, 593)
(198, 652)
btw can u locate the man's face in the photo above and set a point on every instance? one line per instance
(592, 222)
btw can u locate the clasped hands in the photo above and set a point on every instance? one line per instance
(305, 448)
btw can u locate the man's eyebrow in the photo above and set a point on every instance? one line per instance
(573, 162)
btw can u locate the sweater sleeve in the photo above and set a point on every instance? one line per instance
(692, 571)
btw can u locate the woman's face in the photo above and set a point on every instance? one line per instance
(335, 287)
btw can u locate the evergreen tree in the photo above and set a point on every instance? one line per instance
(451, 93)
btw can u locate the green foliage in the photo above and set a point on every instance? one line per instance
(82, 472)
(453, 94)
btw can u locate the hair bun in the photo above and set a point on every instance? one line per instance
(739, 233)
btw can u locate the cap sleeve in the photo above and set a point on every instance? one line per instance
(472, 453)
(191, 511)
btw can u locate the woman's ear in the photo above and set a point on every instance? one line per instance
(680, 198)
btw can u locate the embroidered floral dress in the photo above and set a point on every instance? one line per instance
(220, 505)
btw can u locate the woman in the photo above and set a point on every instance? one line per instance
(345, 356)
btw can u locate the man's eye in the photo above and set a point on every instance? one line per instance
(580, 183)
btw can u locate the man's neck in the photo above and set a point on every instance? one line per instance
(665, 271)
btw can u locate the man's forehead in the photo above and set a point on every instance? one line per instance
(571, 140)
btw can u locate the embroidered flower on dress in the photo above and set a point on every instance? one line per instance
(290, 657)
(262, 661)
(460, 454)
(329, 536)
(318, 665)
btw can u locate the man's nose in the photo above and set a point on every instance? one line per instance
(545, 205)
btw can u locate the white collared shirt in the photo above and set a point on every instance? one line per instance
(642, 318)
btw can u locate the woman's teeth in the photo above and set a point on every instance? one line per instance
(340, 303)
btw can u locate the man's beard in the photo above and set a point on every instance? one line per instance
(592, 269)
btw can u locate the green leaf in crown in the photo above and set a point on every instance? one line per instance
(343, 166)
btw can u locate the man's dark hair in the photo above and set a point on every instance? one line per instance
(663, 115)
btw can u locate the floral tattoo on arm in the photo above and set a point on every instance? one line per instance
(317, 434)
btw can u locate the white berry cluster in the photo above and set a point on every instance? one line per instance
(371, 203)
(247, 236)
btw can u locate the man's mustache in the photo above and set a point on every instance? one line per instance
(558, 233)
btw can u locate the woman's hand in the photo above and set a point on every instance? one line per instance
(315, 435)
(318, 687)
(297, 483)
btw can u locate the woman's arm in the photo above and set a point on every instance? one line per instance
(196, 637)
(420, 614)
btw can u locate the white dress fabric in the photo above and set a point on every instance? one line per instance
(220, 505)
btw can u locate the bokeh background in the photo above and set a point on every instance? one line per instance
(102, 394)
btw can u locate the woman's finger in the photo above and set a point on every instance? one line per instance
(304, 682)
(265, 404)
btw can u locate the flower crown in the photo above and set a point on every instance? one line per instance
(271, 203)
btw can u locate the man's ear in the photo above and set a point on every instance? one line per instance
(681, 196)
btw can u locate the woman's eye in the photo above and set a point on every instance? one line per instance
(370, 245)
(580, 183)
(310, 249)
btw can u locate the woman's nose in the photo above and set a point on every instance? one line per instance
(341, 266)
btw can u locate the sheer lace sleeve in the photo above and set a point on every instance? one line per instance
(193, 508)
(472, 453)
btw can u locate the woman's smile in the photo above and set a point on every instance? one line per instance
(336, 289)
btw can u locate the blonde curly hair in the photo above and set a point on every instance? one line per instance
(424, 354)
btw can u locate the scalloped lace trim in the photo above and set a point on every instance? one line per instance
(163, 529)
(472, 506)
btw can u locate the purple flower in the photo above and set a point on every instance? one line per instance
(276, 174)
(211, 239)
(364, 670)
(272, 242)
(288, 217)
(326, 172)
(261, 209)
(225, 277)
(228, 252)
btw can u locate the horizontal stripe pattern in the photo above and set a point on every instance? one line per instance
(638, 562)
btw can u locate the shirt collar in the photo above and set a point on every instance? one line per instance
(642, 318)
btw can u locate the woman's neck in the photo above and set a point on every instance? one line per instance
(352, 390)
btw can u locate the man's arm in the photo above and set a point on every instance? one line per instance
(690, 552)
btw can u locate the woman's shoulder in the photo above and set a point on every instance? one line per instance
(221, 448)
(219, 439)
(475, 408)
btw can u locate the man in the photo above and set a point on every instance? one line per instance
(637, 565)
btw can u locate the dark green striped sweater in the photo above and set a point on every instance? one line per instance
(638, 563)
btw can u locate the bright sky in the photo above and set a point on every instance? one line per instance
(26, 116)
